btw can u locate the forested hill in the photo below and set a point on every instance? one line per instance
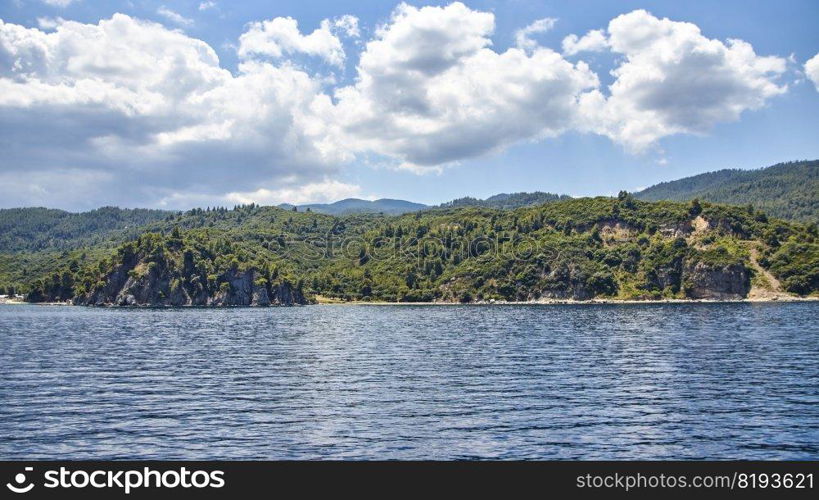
(786, 190)
(507, 201)
(618, 248)
(358, 206)
(35, 229)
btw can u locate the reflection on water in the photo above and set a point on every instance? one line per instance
(377, 382)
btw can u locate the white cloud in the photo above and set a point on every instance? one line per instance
(280, 36)
(593, 41)
(812, 70)
(430, 91)
(49, 23)
(142, 114)
(206, 5)
(153, 108)
(59, 3)
(317, 192)
(523, 38)
(321, 191)
(174, 17)
(348, 24)
(674, 80)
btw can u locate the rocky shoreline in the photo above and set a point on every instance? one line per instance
(596, 301)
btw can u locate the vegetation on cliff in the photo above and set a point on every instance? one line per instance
(198, 268)
(574, 249)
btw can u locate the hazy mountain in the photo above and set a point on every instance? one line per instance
(786, 190)
(507, 200)
(354, 205)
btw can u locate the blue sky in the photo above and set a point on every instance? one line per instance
(75, 149)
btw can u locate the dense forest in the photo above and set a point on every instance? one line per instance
(617, 248)
(786, 190)
(33, 229)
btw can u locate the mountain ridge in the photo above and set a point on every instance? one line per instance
(576, 249)
(788, 190)
(387, 206)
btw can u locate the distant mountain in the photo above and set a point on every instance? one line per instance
(399, 207)
(507, 200)
(37, 228)
(357, 206)
(786, 190)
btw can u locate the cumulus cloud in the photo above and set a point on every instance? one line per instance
(593, 41)
(674, 80)
(141, 114)
(281, 36)
(431, 91)
(812, 70)
(153, 108)
(348, 24)
(523, 36)
(49, 23)
(206, 5)
(174, 17)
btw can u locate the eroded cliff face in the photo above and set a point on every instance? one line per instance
(621, 252)
(668, 276)
(703, 281)
(153, 285)
(697, 280)
(565, 281)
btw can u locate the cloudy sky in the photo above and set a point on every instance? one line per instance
(175, 104)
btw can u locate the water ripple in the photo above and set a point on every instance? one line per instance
(697, 381)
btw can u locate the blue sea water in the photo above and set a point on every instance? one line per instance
(653, 381)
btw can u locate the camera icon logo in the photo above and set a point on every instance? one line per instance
(20, 480)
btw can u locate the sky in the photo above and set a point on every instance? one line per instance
(180, 104)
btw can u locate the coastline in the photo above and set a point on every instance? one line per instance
(548, 302)
(543, 302)
(6, 302)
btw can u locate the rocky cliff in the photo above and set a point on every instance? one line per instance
(599, 248)
(163, 272)
(696, 280)
(729, 282)
(154, 285)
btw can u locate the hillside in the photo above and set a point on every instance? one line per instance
(786, 190)
(617, 248)
(386, 206)
(357, 206)
(507, 201)
(37, 229)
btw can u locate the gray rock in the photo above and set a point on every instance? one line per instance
(730, 282)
